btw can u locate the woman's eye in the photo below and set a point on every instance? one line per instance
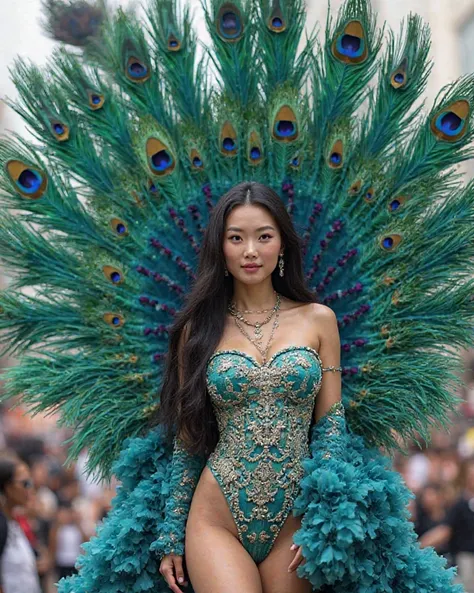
(261, 236)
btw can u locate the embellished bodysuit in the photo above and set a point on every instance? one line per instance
(264, 414)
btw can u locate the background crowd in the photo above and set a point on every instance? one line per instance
(63, 507)
(60, 506)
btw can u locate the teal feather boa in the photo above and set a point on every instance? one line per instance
(119, 559)
(356, 536)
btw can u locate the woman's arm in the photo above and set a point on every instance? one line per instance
(329, 395)
(437, 536)
(52, 541)
(186, 469)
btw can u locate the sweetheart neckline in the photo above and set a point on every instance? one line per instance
(272, 357)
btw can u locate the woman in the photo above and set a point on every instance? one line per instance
(18, 562)
(65, 539)
(261, 387)
(456, 530)
(431, 510)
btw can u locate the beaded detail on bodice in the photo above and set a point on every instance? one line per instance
(263, 413)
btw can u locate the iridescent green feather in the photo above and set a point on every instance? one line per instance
(111, 217)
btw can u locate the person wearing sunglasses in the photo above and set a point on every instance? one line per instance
(18, 570)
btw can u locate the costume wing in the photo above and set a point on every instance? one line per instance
(135, 142)
(103, 216)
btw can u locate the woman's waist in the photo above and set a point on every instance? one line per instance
(255, 440)
(239, 461)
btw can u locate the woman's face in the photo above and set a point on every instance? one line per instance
(251, 236)
(19, 491)
(432, 499)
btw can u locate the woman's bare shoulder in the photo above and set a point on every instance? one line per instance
(321, 312)
(313, 314)
(315, 311)
(320, 318)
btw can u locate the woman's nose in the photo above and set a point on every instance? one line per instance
(250, 249)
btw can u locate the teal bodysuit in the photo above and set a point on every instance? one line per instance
(264, 414)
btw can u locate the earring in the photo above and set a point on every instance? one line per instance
(226, 272)
(281, 264)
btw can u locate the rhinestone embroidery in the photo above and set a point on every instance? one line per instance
(263, 412)
(334, 415)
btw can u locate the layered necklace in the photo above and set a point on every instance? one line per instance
(258, 334)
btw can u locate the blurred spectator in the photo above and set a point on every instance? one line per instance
(466, 443)
(37, 528)
(430, 511)
(46, 500)
(69, 490)
(19, 573)
(65, 540)
(457, 529)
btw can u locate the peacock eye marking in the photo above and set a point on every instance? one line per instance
(285, 128)
(390, 242)
(228, 144)
(161, 160)
(229, 23)
(451, 123)
(29, 181)
(350, 44)
(285, 125)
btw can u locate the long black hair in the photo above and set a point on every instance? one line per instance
(8, 464)
(187, 410)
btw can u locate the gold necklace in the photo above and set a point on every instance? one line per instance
(263, 351)
(234, 308)
(251, 311)
(257, 325)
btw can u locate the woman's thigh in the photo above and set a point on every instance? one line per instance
(274, 569)
(217, 562)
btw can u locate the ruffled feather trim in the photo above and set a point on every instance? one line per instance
(124, 557)
(356, 535)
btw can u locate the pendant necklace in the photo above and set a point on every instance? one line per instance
(257, 341)
(258, 333)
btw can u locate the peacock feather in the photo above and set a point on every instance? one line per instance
(137, 137)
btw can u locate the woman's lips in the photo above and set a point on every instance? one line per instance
(251, 268)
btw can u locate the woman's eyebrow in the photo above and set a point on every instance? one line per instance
(262, 228)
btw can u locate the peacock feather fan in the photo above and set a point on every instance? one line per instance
(136, 138)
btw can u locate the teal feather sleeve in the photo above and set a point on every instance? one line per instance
(185, 471)
(355, 534)
(147, 520)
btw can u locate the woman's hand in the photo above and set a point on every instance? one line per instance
(297, 560)
(171, 568)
